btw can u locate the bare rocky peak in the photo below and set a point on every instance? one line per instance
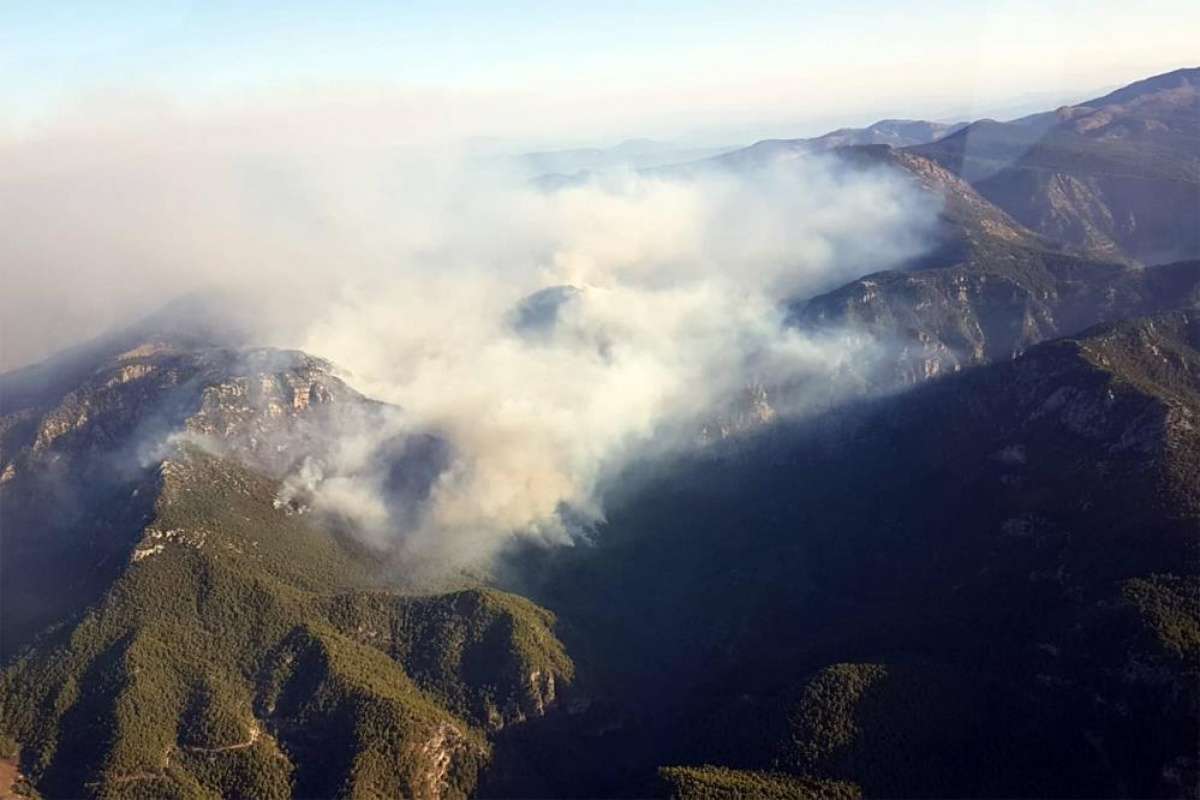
(258, 403)
(891, 132)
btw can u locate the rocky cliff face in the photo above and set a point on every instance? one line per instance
(251, 401)
(936, 321)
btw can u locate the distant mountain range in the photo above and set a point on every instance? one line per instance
(978, 577)
(890, 132)
(631, 154)
(1118, 175)
(563, 167)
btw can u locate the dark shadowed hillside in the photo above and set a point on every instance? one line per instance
(987, 586)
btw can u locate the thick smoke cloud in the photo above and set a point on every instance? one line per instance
(418, 273)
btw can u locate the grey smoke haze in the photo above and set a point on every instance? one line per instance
(404, 268)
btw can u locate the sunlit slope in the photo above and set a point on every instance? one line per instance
(244, 651)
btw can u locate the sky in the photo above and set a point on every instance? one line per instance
(576, 72)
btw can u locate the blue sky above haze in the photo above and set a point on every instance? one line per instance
(673, 65)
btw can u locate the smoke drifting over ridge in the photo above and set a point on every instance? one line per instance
(409, 270)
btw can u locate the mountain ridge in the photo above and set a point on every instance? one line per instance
(978, 576)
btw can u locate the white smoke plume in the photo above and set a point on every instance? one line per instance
(413, 271)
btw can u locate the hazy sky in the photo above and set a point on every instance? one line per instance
(578, 70)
